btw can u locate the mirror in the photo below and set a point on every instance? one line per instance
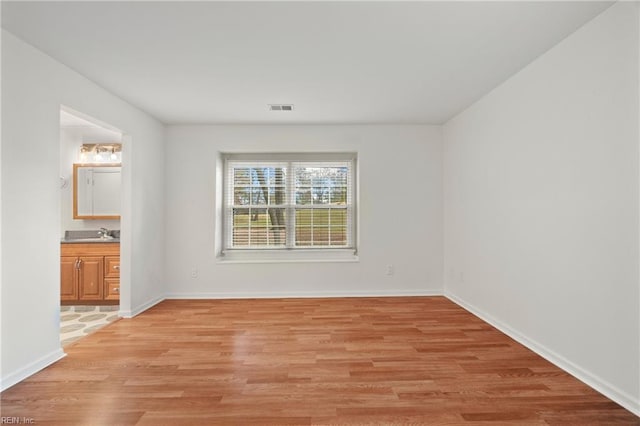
(96, 191)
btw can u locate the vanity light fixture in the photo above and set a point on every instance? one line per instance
(101, 153)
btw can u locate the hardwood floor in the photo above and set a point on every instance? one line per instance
(305, 361)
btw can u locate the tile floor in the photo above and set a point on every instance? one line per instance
(79, 321)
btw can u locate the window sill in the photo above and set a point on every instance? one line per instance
(289, 256)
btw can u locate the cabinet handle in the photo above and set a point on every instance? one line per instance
(116, 289)
(116, 266)
(77, 263)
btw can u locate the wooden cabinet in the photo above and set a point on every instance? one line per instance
(68, 278)
(90, 277)
(90, 273)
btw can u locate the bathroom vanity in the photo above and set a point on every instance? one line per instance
(90, 271)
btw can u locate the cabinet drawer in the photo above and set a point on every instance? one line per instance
(112, 266)
(111, 289)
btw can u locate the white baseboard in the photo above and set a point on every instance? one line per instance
(141, 308)
(602, 386)
(273, 295)
(17, 376)
(298, 294)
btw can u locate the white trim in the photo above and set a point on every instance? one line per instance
(288, 256)
(597, 383)
(288, 156)
(637, 403)
(304, 294)
(289, 162)
(31, 369)
(140, 309)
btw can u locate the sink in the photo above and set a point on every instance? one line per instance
(91, 236)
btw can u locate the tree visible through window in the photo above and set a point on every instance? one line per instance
(289, 204)
(321, 206)
(258, 211)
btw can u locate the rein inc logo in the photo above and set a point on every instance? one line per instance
(17, 421)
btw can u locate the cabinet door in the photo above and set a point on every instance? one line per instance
(68, 278)
(91, 277)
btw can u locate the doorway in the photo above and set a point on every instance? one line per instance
(90, 155)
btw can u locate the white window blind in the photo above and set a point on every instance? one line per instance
(289, 203)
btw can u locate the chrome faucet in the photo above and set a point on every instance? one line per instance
(103, 232)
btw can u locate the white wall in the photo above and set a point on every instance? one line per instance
(394, 162)
(541, 205)
(71, 139)
(34, 86)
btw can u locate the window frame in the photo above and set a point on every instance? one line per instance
(288, 252)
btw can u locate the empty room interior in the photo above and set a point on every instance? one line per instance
(320, 212)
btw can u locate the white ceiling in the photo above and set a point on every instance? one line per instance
(338, 62)
(90, 131)
(70, 120)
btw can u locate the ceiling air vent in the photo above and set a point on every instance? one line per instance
(280, 107)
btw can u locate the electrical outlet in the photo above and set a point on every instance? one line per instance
(194, 273)
(389, 269)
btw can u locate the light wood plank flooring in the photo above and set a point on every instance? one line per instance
(305, 361)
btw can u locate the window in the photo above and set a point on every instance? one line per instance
(289, 202)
